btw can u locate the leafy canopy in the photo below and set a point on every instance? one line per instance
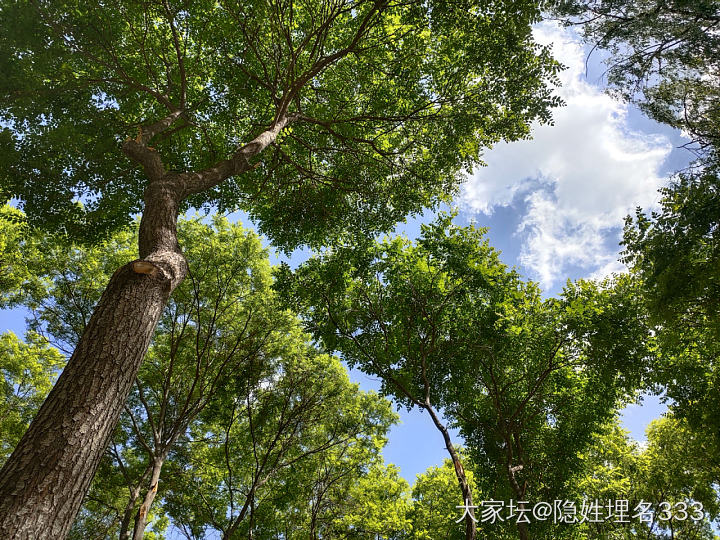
(27, 372)
(232, 401)
(388, 99)
(663, 57)
(443, 322)
(675, 467)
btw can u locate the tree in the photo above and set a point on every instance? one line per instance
(435, 509)
(610, 472)
(220, 322)
(223, 340)
(28, 370)
(12, 270)
(315, 117)
(672, 472)
(663, 57)
(539, 381)
(375, 505)
(282, 457)
(446, 326)
(385, 307)
(675, 253)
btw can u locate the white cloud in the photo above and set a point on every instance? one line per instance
(577, 179)
(611, 267)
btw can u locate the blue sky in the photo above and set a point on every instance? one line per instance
(554, 206)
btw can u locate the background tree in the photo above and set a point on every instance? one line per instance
(28, 370)
(12, 269)
(223, 320)
(227, 368)
(664, 59)
(675, 252)
(376, 505)
(435, 511)
(670, 469)
(387, 307)
(157, 105)
(281, 457)
(446, 325)
(539, 381)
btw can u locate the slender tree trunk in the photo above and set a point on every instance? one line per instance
(247, 508)
(141, 519)
(519, 491)
(470, 527)
(43, 483)
(522, 526)
(124, 533)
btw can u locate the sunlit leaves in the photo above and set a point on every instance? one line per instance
(28, 370)
(392, 100)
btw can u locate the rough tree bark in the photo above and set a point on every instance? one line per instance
(43, 483)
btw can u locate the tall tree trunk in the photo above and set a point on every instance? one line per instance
(142, 514)
(470, 527)
(43, 483)
(523, 532)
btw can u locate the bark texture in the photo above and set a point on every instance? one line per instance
(43, 483)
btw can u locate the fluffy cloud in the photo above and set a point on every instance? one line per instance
(575, 180)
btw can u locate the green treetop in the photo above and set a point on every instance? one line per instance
(445, 325)
(675, 471)
(28, 371)
(315, 117)
(369, 108)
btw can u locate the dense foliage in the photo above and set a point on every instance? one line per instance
(386, 102)
(674, 471)
(443, 323)
(328, 121)
(315, 117)
(236, 425)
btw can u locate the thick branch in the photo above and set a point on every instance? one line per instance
(138, 150)
(238, 163)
